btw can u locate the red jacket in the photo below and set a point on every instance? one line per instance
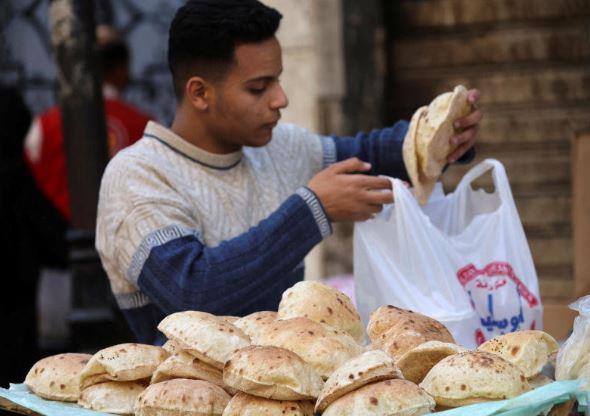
(45, 152)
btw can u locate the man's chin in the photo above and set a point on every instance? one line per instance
(261, 140)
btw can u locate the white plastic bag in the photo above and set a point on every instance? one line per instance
(462, 259)
(573, 359)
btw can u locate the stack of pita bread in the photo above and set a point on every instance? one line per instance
(305, 359)
(114, 377)
(427, 143)
(108, 381)
(57, 377)
(528, 350)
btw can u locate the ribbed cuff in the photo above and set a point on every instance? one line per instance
(317, 210)
(329, 150)
(131, 300)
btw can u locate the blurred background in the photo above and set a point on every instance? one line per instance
(349, 66)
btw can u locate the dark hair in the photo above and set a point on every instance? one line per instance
(113, 55)
(204, 34)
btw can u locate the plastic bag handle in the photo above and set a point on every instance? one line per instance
(499, 176)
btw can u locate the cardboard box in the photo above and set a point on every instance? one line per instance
(581, 212)
(558, 320)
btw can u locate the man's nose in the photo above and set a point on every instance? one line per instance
(280, 99)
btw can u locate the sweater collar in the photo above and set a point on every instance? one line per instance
(180, 145)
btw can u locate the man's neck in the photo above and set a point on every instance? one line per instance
(198, 135)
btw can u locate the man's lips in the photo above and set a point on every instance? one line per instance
(271, 124)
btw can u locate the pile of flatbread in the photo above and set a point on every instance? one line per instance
(427, 145)
(308, 358)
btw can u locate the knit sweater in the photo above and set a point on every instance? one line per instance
(180, 228)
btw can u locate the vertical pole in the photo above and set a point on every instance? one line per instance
(364, 58)
(93, 319)
(80, 98)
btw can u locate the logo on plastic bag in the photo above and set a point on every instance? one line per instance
(497, 295)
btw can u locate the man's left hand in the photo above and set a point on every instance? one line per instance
(466, 128)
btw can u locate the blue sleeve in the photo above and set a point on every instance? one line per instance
(184, 274)
(382, 148)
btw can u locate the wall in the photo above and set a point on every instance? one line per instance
(26, 54)
(531, 60)
(313, 77)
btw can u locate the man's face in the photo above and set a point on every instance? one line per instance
(246, 105)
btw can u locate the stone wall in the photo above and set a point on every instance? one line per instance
(313, 76)
(531, 60)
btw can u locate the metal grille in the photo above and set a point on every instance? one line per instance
(27, 62)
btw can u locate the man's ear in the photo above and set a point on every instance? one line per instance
(198, 92)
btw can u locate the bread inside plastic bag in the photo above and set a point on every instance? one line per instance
(573, 359)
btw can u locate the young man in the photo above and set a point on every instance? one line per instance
(217, 212)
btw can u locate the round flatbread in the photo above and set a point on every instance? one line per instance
(396, 331)
(474, 377)
(529, 350)
(210, 338)
(323, 304)
(231, 319)
(272, 373)
(123, 362)
(171, 347)
(367, 368)
(389, 397)
(184, 365)
(324, 347)
(422, 185)
(117, 397)
(417, 362)
(182, 397)
(256, 323)
(243, 404)
(426, 155)
(57, 377)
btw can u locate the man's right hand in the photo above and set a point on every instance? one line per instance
(349, 196)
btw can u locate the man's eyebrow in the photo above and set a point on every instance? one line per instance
(263, 78)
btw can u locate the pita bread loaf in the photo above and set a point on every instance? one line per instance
(573, 360)
(256, 323)
(57, 377)
(208, 337)
(367, 368)
(422, 185)
(322, 346)
(323, 304)
(474, 377)
(116, 397)
(384, 318)
(184, 365)
(584, 374)
(243, 404)
(397, 331)
(182, 397)
(389, 397)
(123, 362)
(576, 372)
(529, 350)
(272, 373)
(417, 362)
(230, 319)
(431, 140)
(171, 347)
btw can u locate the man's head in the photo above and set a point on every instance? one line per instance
(225, 63)
(114, 63)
